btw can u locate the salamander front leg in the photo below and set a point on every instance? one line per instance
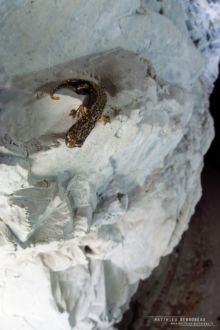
(82, 110)
(104, 119)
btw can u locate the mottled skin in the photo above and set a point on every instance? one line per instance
(91, 110)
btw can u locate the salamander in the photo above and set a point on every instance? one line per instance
(89, 112)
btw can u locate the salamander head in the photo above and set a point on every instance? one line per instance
(80, 87)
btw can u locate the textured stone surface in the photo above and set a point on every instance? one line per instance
(203, 23)
(186, 282)
(121, 201)
(71, 29)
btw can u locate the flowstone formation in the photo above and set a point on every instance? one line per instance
(80, 227)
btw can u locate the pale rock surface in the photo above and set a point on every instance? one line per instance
(80, 227)
(72, 29)
(201, 20)
(203, 23)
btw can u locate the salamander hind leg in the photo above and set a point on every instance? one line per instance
(104, 119)
(53, 97)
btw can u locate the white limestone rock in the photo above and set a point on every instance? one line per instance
(119, 202)
(200, 19)
(203, 24)
(66, 31)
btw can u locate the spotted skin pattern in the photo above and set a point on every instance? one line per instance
(91, 110)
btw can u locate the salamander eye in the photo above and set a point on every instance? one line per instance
(82, 87)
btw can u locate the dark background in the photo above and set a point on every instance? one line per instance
(212, 158)
(187, 282)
